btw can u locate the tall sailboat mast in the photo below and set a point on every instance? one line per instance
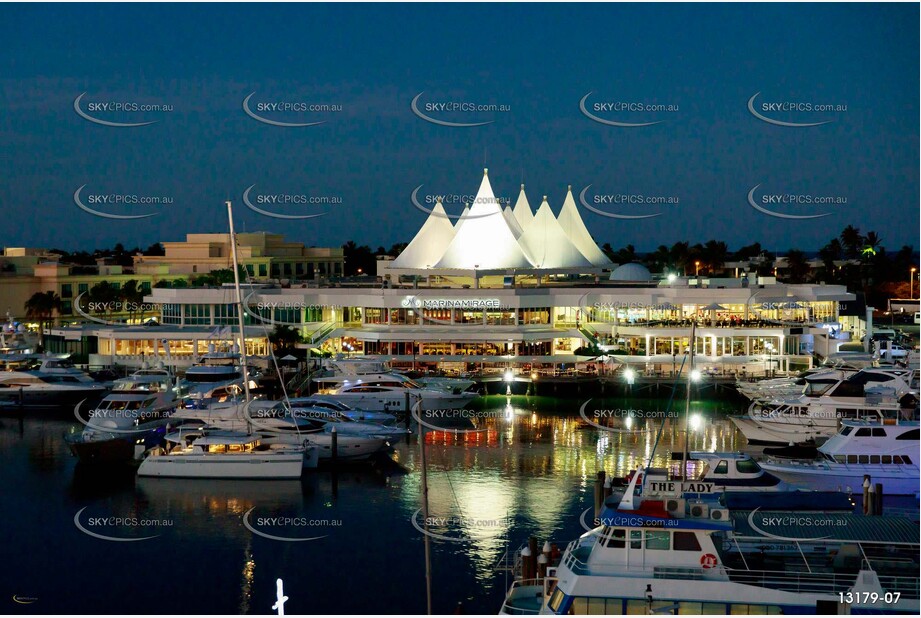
(239, 295)
(687, 403)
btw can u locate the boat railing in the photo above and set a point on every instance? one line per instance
(525, 597)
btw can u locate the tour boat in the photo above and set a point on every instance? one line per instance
(644, 560)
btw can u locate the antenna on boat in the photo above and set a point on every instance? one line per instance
(239, 294)
(687, 403)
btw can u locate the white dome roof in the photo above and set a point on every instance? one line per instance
(631, 272)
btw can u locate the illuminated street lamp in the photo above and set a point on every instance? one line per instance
(695, 375)
(697, 268)
(911, 283)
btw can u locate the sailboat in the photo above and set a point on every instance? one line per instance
(210, 452)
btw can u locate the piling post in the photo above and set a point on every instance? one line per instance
(878, 504)
(599, 492)
(866, 494)
(871, 499)
(526, 573)
(334, 446)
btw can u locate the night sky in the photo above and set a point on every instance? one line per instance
(538, 60)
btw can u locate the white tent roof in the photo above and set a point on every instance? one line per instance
(575, 229)
(523, 210)
(484, 240)
(512, 222)
(429, 244)
(548, 246)
(463, 216)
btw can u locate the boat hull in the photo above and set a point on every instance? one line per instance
(221, 466)
(896, 480)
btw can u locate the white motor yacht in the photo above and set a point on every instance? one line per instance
(128, 420)
(390, 392)
(47, 381)
(887, 452)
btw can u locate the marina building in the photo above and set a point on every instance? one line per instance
(502, 288)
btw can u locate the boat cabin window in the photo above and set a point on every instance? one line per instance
(887, 459)
(911, 434)
(686, 541)
(847, 430)
(658, 540)
(722, 467)
(636, 539)
(616, 539)
(555, 600)
(874, 459)
(905, 459)
(874, 432)
(864, 459)
(747, 466)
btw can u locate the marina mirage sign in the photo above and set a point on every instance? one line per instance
(418, 302)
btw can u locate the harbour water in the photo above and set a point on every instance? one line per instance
(194, 546)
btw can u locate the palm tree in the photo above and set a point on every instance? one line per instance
(871, 245)
(851, 240)
(42, 306)
(797, 266)
(714, 255)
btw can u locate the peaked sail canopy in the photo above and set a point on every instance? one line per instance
(546, 243)
(523, 210)
(512, 222)
(485, 240)
(429, 244)
(575, 229)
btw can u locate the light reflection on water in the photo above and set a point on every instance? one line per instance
(531, 472)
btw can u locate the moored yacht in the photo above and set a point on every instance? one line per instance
(875, 393)
(887, 452)
(220, 454)
(384, 392)
(128, 420)
(47, 381)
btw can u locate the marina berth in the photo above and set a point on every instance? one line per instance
(46, 381)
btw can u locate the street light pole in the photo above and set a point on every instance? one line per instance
(911, 283)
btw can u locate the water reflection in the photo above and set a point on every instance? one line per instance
(530, 472)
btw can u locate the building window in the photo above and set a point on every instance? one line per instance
(145, 287)
(66, 307)
(67, 290)
(83, 288)
(262, 270)
(198, 314)
(373, 315)
(172, 314)
(250, 270)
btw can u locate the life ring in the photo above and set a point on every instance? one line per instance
(708, 561)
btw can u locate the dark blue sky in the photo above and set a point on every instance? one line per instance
(539, 60)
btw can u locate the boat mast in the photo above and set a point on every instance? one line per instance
(687, 403)
(425, 512)
(239, 294)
